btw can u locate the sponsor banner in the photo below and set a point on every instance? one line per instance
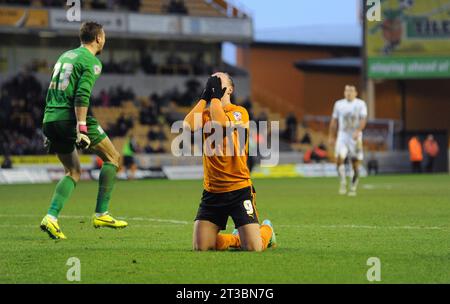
(409, 67)
(183, 172)
(47, 175)
(112, 22)
(280, 171)
(317, 170)
(24, 176)
(410, 41)
(157, 25)
(138, 174)
(23, 17)
(45, 161)
(217, 27)
(154, 24)
(301, 170)
(288, 170)
(56, 174)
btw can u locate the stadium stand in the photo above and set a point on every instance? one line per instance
(211, 8)
(131, 108)
(120, 112)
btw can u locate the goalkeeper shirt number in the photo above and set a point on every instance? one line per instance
(73, 78)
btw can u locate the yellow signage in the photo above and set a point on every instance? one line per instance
(23, 17)
(44, 160)
(288, 170)
(412, 40)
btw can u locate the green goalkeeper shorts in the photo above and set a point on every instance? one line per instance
(62, 135)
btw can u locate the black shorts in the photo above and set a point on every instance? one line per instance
(239, 204)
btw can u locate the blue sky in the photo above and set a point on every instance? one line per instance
(270, 14)
(289, 13)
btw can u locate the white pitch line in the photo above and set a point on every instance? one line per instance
(18, 226)
(87, 217)
(15, 226)
(366, 227)
(178, 222)
(156, 220)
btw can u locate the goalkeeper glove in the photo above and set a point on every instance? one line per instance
(216, 87)
(83, 141)
(206, 93)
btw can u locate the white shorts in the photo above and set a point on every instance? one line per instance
(346, 146)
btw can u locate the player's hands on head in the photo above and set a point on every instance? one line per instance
(83, 141)
(216, 87)
(206, 93)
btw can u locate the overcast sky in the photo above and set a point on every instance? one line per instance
(269, 14)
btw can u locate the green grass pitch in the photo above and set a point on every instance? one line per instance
(323, 237)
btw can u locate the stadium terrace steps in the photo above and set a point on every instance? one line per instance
(213, 8)
(109, 115)
(194, 7)
(151, 6)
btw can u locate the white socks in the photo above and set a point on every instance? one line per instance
(341, 172)
(52, 217)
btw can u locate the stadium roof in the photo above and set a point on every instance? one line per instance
(344, 64)
(345, 35)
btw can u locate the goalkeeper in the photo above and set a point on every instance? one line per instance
(68, 125)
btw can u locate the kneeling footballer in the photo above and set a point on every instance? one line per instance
(228, 189)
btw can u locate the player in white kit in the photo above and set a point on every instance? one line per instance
(349, 118)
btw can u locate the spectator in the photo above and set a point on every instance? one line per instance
(431, 149)
(159, 148)
(148, 149)
(372, 165)
(156, 133)
(122, 126)
(22, 109)
(7, 163)
(148, 114)
(415, 154)
(191, 94)
(306, 139)
(171, 113)
(134, 5)
(262, 117)
(128, 151)
(52, 3)
(98, 4)
(198, 64)
(316, 154)
(291, 127)
(176, 7)
(247, 104)
(156, 102)
(147, 63)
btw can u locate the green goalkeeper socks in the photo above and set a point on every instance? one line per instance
(62, 193)
(65, 187)
(106, 183)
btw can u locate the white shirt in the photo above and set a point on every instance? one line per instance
(349, 115)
